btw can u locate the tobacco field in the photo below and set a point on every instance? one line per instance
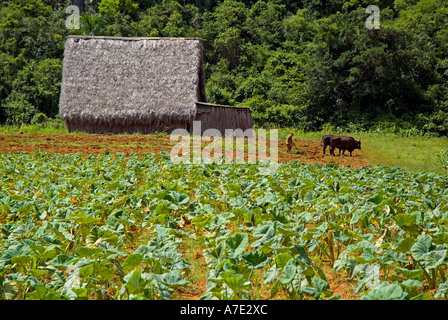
(111, 226)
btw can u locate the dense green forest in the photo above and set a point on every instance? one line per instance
(303, 64)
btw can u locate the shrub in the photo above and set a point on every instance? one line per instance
(18, 110)
(39, 118)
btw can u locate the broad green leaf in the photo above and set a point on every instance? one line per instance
(376, 199)
(174, 279)
(237, 244)
(417, 274)
(177, 197)
(81, 293)
(62, 260)
(442, 290)
(357, 215)
(22, 260)
(271, 274)
(404, 220)
(302, 255)
(386, 292)
(202, 221)
(236, 283)
(421, 247)
(422, 296)
(238, 202)
(43, 293)
(404, 245)
(412, 283)
(435, 259)
(282, 259)
(88, 252)
(289, 271)
(87, 270)
(275, 289)
(319, 287)
(12, 251)
(134, 281)
(256, 259)
(103, 271)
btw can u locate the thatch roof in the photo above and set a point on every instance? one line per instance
(130, 81)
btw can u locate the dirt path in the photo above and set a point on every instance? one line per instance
(310, 151)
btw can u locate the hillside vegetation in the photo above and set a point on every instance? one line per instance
(300, 64)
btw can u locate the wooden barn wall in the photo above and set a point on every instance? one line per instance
(222, 118)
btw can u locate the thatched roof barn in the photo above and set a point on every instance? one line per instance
(117, 85)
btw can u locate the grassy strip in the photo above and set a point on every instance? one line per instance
(414, 153)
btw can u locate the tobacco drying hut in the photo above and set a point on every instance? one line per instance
(128, 85)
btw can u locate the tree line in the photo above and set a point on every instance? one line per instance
(303, 64)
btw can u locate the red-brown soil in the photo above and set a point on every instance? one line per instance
(309, 151)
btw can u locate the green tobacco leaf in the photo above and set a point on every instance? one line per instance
(22, 260)
(319, 287)
(174, 279)
(132, 261)
(12, 251)
(405, 220)
(43, 293)
(424, 251)
(421, 247)
(421, 296)
(302, 255)
(418, 274)
(435, 259)
(236, 283)
(405, 245)
(386, 292)
(256, 259)
(177, 197)
(412, 283)
(270, 275)
(265, 233)
(134, 282)
(289, 271)
(81, 293)
(282, 259)
(202, 221)
(87, 252)
(237, 244)
(376, 199)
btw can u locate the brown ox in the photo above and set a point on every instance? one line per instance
(344, 143)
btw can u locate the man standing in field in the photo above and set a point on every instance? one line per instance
(289, 142)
